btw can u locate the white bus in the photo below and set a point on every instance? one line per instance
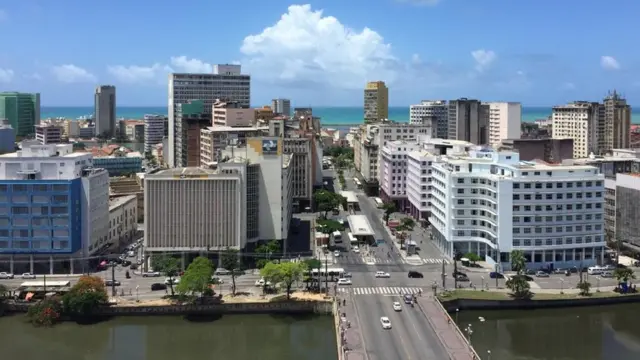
(337, 237)
(334, 272)
(378, 202)
(352, 239)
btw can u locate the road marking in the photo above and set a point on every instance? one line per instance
(381, 290)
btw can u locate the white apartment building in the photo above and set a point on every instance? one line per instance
(578, 121)
(225, 82)
(234, 117)
(154, 127)
(418, 178)
(504, 121)
(491, 203)
(240, 201)
(105, 110)
(281, 107)
(95, 199)
(123, 221)
(434, 112)
(48, 134)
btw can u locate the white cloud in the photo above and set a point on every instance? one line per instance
(6, 75)
(184, 64)
(305, 46)
(483, 58)
(69, 73)
(609, 63)
(140, 74)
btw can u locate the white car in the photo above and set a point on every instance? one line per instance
(131, 254)
(344, 282)
(336, 253)
(28, 276)
(356, 249)
(4, 275)
(151, 274)
(397, 306)
(175, 281)
(262, 282)
(386, 323)
(382, 274)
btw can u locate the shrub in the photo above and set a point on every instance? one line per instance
(46, 312)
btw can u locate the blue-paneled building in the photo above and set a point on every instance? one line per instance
(119, 165)
(40, 216)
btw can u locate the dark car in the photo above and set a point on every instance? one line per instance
(415, 274)
(133, 266)
(112, 283)
(496, 275)
(158, 286)
(462, 277)
(126, 263)
(408, 298)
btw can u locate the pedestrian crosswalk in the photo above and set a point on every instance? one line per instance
(435, 261)
(380, 290)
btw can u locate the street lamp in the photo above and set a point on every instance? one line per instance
(561, 285)
(482, 284)
(488, 354)
(137, 293)
(597, 283)
(457, 312)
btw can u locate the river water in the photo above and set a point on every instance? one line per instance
(587, 333)
(237, 337)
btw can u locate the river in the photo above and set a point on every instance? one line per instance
(586, 333)
(237, 337)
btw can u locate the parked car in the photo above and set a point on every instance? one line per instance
(112, 283)
(344, 282)
(133, 266)
(542, 274)
(382, 274)
(158, 286)
(462, 277)
(126, 263)
(4, 275)
(346, 275)
(415, 274)
(170, 281)
(262, 282)
(216, 280)
(151, 274)
(28, 276)
(496, 275)
(607, 274)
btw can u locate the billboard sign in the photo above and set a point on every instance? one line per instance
(269, 147)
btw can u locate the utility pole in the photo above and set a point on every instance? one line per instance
(44, 279)
(326, 274)
(444, 277)
(455, 273)
(113, 279)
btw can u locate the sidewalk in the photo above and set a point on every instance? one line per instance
(449, 334)
(350, 330)
(410, 259)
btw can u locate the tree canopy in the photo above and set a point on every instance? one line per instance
(166, 265)
(265, 251)
(327, 226)
(286, 273)
(327, 201)
(197, 277)
(518, 283)
(388, 208)
(230, 261)
(85, 296)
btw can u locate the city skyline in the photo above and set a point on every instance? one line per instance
(324, 54)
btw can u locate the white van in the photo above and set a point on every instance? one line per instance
(337, 236)
(595, 270)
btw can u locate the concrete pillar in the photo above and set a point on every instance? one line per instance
(183, 261)
(51, 264)
(533, 256)
(71, 270)
(31, 264)
(11, 264)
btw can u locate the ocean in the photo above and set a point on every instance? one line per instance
(330, 116)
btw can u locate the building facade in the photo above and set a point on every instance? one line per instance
(434, 112)
(468, 120)
(120, 164)
(281, 107)
(226, 82)
(231, 114)
(154, 130)
(504, 121)
(548, 150)
(22, 110)
(48, 134)
(376, 102)
(491, 203)
(105, 111)
(191, 118)
(580, 122)
(616, 124)
(123, 221)
(43, 207)
(7, 137)
(393, 172)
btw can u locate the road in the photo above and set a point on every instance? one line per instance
(411, 336)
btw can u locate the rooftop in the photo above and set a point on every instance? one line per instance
(188, 171)
(118, 201)
(222, 128)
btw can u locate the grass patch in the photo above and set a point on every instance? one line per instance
(496, 295)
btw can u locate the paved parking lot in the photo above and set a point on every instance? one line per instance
(570, 282)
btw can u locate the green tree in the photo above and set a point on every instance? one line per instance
(328, 227)
(230, 260)
(584, 287)
(4, 292)
(168, 266)
(197, 277)
(265, 251)
(327, 201)
(285, 273)
(407, 224)
(623, 274)
(388, 208)
(473, 257)
(85, 296)
(518, 283)
(311, 264)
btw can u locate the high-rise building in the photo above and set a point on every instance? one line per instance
(53, 209)
(615, 130)
(434, 112)
(22, 110)
(468, 121)
(48, 134)
(7, 137)
(153, 131)
(376, 102)
(230, 113)
(105, 111)
(504, 121)
(244, 198)
(579, 121)
(190, 119)
(490, 203)
(281, 106)
(225, 83)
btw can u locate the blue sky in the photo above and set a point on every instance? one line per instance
(322, 53)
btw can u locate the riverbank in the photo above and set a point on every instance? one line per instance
(458, 300)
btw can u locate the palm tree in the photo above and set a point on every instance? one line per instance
(389, 208)
(518, 262)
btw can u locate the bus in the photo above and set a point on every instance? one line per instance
(337, 237)
(357, 182)
(378, 202)
(352, 239)
(333, 272)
